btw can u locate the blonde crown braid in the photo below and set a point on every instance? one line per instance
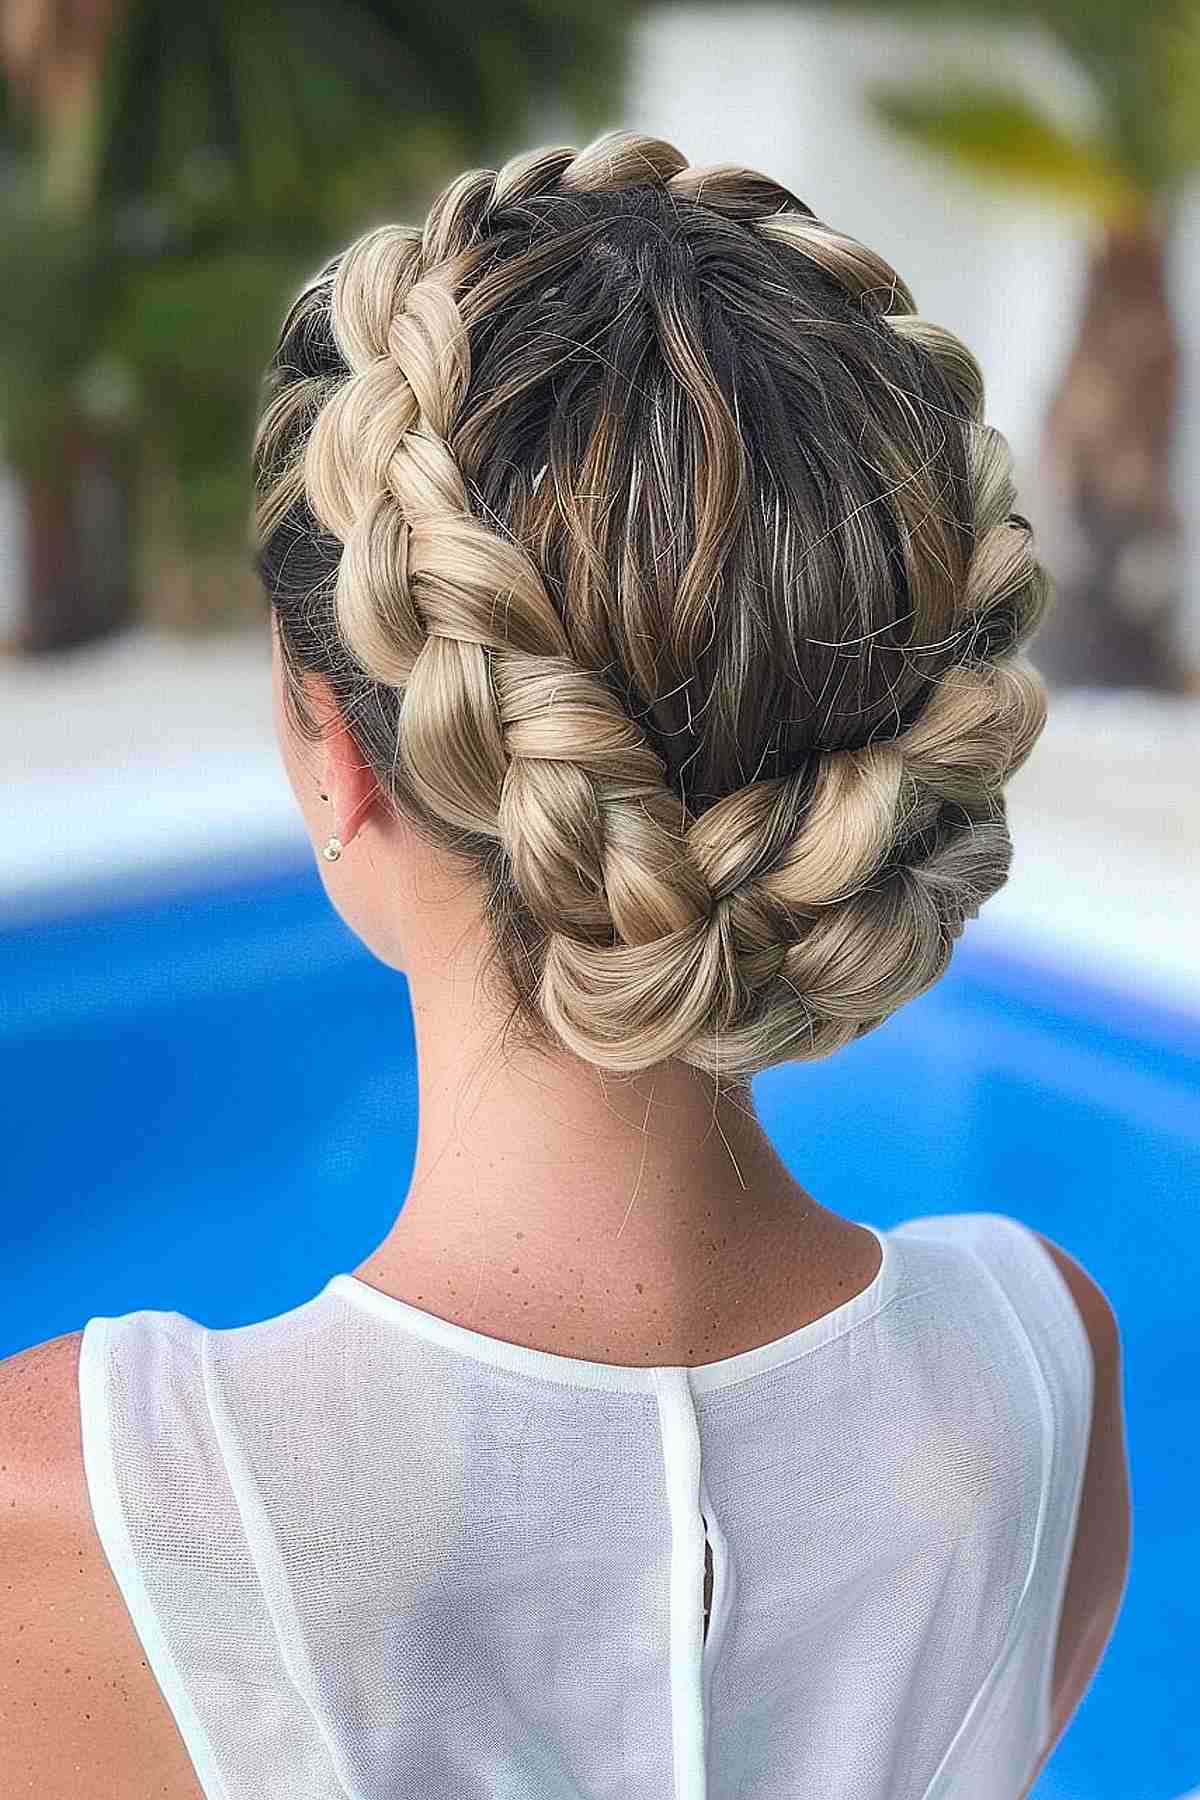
(793, 914)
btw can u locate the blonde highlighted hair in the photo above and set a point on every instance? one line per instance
(663, 566)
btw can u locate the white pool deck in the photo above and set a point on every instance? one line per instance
(148, 755)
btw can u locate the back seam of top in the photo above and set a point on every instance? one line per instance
(1046, 1408)
(680, 1445)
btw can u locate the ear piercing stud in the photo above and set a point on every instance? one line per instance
(333, 846)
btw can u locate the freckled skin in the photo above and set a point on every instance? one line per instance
(81, 1715)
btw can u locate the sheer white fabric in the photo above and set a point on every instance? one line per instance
(370, 1553)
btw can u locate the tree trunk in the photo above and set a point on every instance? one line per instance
(80, 536)
(1110, 531)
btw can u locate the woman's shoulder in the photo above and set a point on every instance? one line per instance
(39, 1428)
(80, 1711)
(1008, 1238)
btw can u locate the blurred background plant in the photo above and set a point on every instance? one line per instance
(1115, 532)
(166, 185)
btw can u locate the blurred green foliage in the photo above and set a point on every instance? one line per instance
(1003, 138)
(280, 98)
(152, 238)
(1141, 59)
(155, 223)
(1118, 597)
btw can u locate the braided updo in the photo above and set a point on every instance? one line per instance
(662, 565)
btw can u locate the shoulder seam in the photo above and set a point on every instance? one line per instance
(1068, 1303)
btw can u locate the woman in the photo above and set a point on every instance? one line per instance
(648, 614)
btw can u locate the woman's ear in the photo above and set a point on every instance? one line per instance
(346, 776)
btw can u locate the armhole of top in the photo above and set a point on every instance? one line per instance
(1065, 1396)
(108, 1514)
(1082, 1388)
(1073, 1401)
(1065, 1302)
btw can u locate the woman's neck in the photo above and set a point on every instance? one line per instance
(553, 1203)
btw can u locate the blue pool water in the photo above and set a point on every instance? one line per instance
(209, 1105)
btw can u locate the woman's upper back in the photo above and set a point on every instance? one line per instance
(371, 1551)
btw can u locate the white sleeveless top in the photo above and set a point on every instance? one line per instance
(371, 1554)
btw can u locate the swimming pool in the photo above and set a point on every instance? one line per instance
(210, 1105)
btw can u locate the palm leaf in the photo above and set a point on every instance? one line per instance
(283, 95)
(1174, 52)
(1113, 44)
(1002, 138)
(57, 287)
(195, 332)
